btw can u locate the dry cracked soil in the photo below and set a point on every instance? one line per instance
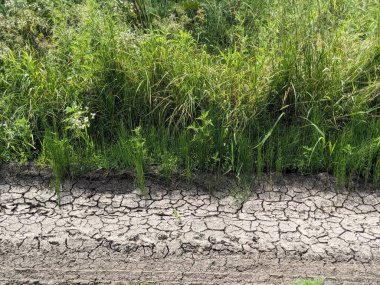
(104, 231)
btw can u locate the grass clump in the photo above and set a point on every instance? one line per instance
(230, 87)
(138, 156)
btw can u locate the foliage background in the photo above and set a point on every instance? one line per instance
(233, 87)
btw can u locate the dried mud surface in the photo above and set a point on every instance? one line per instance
(104, 231)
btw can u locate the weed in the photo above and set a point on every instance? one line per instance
(139, 157)
(241, 192)
(177, 215)
(230, 87)
(169, 164)
(58, 153)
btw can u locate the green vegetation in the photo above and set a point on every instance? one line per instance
(232, 87)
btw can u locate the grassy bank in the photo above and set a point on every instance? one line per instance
(237, 87)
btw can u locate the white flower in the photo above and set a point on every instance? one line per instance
(77, 119)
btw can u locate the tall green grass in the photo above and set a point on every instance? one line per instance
(233, 87)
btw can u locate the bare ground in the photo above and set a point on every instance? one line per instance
(105, 232)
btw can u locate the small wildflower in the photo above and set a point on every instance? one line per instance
(78, 119)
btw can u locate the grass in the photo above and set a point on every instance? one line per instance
(233, 87)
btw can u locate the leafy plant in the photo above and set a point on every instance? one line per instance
(139, 156)
(231, 87)
(177, 215)
(17, 139)
(169, 164)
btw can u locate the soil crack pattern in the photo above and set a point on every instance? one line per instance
(104, 232)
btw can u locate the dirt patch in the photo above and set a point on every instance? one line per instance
(104, 231)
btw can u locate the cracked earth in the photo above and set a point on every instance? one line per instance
(104, 231)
